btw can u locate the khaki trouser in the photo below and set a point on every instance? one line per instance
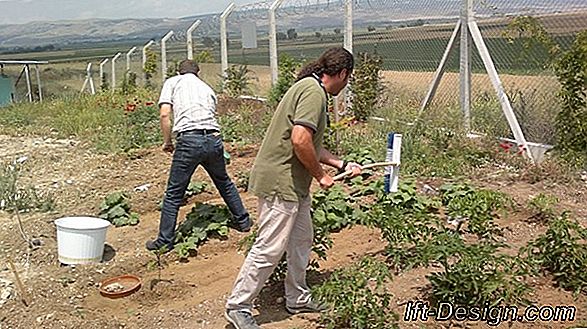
(283, 227)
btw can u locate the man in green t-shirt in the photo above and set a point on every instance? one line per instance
(289, 158)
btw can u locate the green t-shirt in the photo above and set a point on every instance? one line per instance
(277, 170)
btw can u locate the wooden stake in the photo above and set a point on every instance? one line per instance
(18, 283)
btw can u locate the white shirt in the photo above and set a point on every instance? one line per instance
(193, 103)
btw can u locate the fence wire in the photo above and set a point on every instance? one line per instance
(411, 37)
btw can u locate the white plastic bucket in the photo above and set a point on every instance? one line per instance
(80, 240)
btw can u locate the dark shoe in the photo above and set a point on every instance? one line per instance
(241, 319)
(154, 246)
(243, 226)
(309, 307)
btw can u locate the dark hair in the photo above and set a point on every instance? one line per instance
(188, 66)
(331, 62)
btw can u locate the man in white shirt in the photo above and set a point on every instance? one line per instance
(198, 142)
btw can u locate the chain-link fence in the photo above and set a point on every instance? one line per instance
(411, 37)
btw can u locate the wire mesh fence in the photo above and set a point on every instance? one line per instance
(409, 35)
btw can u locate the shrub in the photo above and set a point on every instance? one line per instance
(237, 81)
(116, 209)
(357, 297)
(287, 76)
(562, 252)
(571, 121)
(201, 223)
(366, 85)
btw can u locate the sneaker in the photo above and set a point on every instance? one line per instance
(155, 246)
(243, 226)
(241, 319)
(309, 307)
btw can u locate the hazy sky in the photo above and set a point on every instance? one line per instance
(23, 11)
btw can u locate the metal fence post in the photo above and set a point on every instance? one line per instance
(273, 60)
(164, 55)
(223, 38)
(190, 41)
(114, 70)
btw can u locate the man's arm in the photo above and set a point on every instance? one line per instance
(165, 120)
(330, 159)
(301, 139)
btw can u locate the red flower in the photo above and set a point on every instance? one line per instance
(149, 103)
(505, 146)
(130, 107)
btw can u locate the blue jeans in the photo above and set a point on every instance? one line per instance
(192, 150)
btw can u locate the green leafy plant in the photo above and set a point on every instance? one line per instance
(357, 297)
(204, 56)
(195, 188)
(201, 223)
(537, 46)
(150, 67)
(129, 83)
(406, 199)
(333, 209)
(286, 78)
(571, 121)
(480, 276)
(104, 85)
(142, 124)
(562, 252)
(115, 208)
(542, 206)
(242, 180)
(366, 85)
(477, 207)
(237, 81)
(16, 198)
(172, 69)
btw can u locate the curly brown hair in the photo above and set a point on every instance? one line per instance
(331, 62)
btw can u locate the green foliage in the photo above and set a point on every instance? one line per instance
(477, 208)
(150, 67)
(16, 198)
(110, 123)
(195, 188)
(115, 208)
(286, 78)
(204, 56)
(129, 83)
(479, 277)
(333, 210)
(142, 125)
(533, 38)
(242, 180)
(357, 297)
(201, 223)
(571, 121)
(237, 81)
(366, 85)
(245, 124)
(172, 69)
(562, 252)
(104, 85)
(406, 199)
(542, 206)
